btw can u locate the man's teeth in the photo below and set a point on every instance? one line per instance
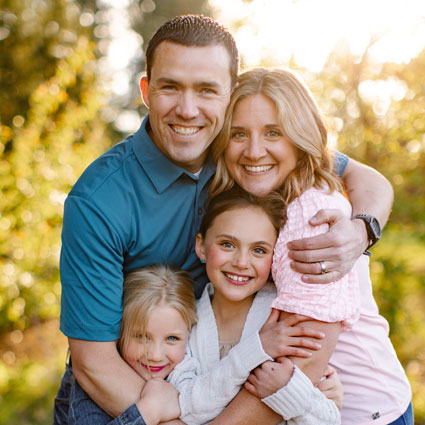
(237, 278)
(258, 169)
(186, 131)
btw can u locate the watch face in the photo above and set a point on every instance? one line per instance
(376, 228)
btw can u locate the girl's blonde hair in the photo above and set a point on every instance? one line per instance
(145, 289)
(302, 124)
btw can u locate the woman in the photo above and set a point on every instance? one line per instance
(274, 138)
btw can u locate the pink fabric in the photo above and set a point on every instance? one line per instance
(376, 389)
(334, 302)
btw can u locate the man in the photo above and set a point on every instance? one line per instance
(141, 203)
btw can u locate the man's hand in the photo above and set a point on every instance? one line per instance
(269, 377)
(159, 402)
(285, 339)
(338, 249)
(331, 387)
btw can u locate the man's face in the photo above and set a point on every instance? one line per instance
(187, 97)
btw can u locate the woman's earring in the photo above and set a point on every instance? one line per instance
(202, 261)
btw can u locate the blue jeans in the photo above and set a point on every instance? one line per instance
(61, 406)
(406, 418)
(73, 406)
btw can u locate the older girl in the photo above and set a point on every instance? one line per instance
(236, 241)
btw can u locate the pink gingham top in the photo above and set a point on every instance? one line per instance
(334, 302)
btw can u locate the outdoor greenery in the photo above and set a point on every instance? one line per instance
(52, 125)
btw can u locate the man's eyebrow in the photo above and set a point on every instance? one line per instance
(208, 84)
(166, 80)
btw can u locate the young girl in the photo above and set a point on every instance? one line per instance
(274, 139)
(158, 313)
(236, 241)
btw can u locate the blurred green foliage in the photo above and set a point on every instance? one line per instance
(52, 127)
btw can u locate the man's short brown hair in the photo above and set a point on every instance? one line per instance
(194, 30)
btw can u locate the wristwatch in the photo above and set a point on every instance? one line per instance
(373, 229)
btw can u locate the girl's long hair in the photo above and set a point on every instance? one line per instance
(145, 289)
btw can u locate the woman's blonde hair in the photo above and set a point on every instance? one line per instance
(300, 120)
(145, 289)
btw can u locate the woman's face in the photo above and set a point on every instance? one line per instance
(258, 156)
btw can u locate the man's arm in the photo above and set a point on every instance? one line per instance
(104, 375)
(369, 192)
(91, 304)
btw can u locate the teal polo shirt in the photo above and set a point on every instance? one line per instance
(132, 207)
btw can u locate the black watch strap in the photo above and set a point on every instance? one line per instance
(373, 229)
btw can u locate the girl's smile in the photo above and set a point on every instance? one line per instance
(154, 369)
(237, 279)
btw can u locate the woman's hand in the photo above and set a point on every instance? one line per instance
(285, 339)
(269, 377)
(159, 402)
(331, 387)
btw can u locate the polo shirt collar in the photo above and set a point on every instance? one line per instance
(161, 171)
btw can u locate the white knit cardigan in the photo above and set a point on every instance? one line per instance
(207, 384)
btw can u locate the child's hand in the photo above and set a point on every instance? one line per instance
(331, 387)
(269, 377)
(159, 402)
(285, 339)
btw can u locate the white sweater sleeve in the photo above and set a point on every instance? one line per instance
(204, 396)
(300, 403)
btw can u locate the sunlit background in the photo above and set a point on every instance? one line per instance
(69, 72)
(308, 30)
(275, 32)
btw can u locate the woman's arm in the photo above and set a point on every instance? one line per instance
(328, 306)
(315, 366)
(369, 192)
